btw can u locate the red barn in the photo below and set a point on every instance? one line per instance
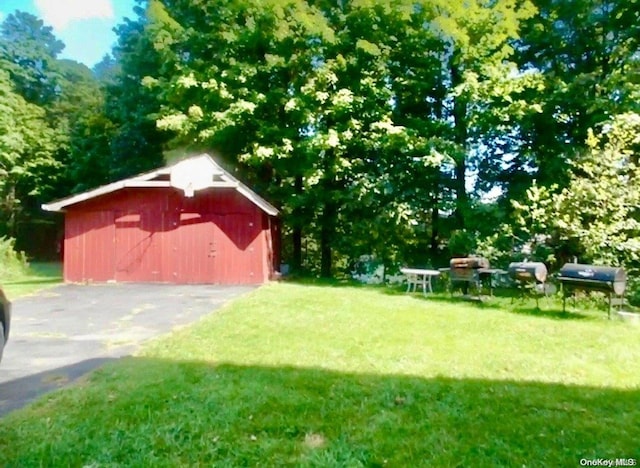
(191, 222)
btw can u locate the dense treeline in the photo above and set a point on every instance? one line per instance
(409, 130)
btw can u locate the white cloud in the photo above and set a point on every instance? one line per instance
(59, 13)
(1, 17)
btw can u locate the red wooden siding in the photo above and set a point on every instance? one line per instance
(89, 247)
(138, 248)
(157, 235)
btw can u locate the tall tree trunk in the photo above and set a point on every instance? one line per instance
(461, 192)
(329, 213)
(461, 132)
(435, 209)
(297, 229)
(12, 222)
(327, 233)
(435, 221)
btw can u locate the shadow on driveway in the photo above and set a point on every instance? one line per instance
(17, 393)
(59, 334)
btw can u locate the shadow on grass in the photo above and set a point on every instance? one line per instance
(326, 282)
(142, 410)
(46, 268)
(43, 281)
(549, 313)
(506, 299)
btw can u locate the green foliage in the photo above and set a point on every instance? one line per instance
(499, 248)
(12, 263)
(340, 103)
(632, 292)
(377, 127)
(581, 49)
(595, 216)
(135, 144)
(462, 243)
(41, 100)
(27, 155)
(28, 51)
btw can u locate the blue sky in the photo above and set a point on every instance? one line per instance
(85, 26)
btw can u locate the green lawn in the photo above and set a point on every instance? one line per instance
(309, 375)
(39, 276)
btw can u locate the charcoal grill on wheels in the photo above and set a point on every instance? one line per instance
(528, 276)
(610, 280)
(465, 271)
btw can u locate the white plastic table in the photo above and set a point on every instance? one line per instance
(419, 277)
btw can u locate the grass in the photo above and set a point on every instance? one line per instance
(38, 276)
(312, 375)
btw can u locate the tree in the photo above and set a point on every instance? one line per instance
(47, 100)
(585, 51)
(28, 51)
(596, 215)
(288, 89)
(27, 163)
(349, 108)
(482, 83)
(136, 145)
(80, 111)
(106, 70)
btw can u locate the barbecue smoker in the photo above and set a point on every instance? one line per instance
(529, 276)
(466, 270)
(528, 272)
(610, 280)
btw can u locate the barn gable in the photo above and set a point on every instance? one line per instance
(191, 222)
(190, 175)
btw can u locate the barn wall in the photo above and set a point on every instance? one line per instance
(89, 246)
(157, 235)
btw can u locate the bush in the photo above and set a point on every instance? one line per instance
(12, 263)
(633, 287)
(499, 249)
(461, 243)
(504, 247)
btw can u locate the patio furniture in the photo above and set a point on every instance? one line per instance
(419, 277)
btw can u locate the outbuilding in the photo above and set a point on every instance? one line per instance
(190, 222)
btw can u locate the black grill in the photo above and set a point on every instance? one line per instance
(529, 277)
(466, 270)
(610, 280)
(593, 277)
(528, 272)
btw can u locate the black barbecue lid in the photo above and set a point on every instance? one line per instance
(593, 272)
(527, 265)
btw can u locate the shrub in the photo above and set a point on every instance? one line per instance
(12, 262)
(633, 287)
(462, 243)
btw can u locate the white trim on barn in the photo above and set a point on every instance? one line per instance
(190, 175)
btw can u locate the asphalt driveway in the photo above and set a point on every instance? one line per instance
(62, 333)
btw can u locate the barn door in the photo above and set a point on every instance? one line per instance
(192, 249)
(238, 258)
(138, 249)
(215, 249)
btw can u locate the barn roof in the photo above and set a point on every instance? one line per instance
(191, 174)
